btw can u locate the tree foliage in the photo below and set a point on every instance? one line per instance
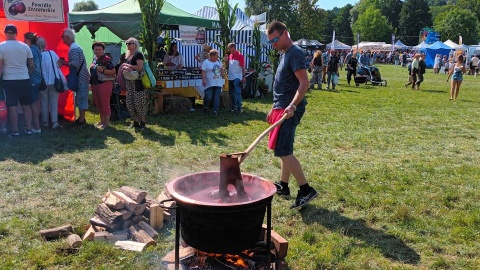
(457, 22)
(341, 23)
(372, 25)
(388, 8)
(414, 16)
(151, 26)
(85, 5)
(470, 5)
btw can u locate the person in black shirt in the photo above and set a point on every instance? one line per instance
(351, 67)
(316, 66)
(333, 68)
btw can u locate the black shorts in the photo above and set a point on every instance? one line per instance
(18, 91)
(286, 135)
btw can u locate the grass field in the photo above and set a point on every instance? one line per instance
(397, 170)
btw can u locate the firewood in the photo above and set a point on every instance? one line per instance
(113, 202)
(140, 235)
(128, 223)
(125, 214)
(140, 209)
(137, 195)
(111, 237)
(281, 244)
(184, 253)
(163, 196)
(156, 216)
(148, 229)
(138, 218)
(74, 241)
(98, 221)
(149, 201)
(127, 201)
(89, 234)
(131, 245)
(57, 232)
(113, 219)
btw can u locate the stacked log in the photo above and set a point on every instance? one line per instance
(128, 218)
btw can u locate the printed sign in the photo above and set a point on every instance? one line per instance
(34, 10)
(185, 83)
(192, 35)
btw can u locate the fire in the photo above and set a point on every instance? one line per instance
(229, 258)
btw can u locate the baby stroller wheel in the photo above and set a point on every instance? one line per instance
(385, 83)
(357, 84)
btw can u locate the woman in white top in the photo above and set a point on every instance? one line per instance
(49, 97)
(173, 59)
(212, 79)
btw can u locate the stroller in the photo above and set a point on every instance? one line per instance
(366, 74)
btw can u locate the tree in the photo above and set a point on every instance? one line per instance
(372, 25)
(470, 5)
(458, 22)
(329, 16)
(306, 19)
(150, 26)
(388, 8)
(414, 16)
(85, 5)
(341, 23)
(277, 10)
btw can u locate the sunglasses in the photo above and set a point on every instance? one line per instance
(276, 39)
(129, 43)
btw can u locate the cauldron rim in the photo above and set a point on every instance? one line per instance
(270, 191)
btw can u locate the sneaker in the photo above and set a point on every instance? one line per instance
(303, 199)
(28, 131)
(192, 109)
(214, 112)
(142, 125)
(232, 110)
(281, 190)
(56, 125)
(14, 134)
(36, 131)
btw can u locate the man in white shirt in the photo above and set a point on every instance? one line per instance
(236, 75)
(475, 61)
(16, 79)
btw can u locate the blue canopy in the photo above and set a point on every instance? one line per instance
(432, 50)
(401, 45)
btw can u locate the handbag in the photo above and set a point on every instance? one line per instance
(102, 76)
(148, 78)
(72, 77)
(130, 75)
(43, 85)
(58, 83)
(335, 78)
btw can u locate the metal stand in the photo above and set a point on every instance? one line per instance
(177, 240)
(269, 234)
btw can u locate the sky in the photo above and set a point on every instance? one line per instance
(192, 6)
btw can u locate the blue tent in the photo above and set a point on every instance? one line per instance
(432, 50)
(401, 45)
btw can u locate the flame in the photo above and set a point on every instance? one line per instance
(233, 259)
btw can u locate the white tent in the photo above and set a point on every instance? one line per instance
(372, 46)
(337, 45)
(451, 44)
(420, 46)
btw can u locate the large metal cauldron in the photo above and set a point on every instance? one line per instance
(220, 226)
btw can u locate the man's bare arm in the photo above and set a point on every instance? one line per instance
(31, 65)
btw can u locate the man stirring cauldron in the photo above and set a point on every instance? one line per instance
(289, 88)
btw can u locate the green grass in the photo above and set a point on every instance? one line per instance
(397, 171)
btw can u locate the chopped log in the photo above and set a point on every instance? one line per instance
(58, 232)
(184, 253)
(135, 194)
(129, 203)
(138, 218)
(74, 241)
(98, 221)
(140, 209)
(148, 229)
(156, 216)
(131, 245)
(128, 223)
(149, 201)
(281, 244)
(125, 214)
(168, 217)
(113, 219)
(89, 234)
(140, 235)
(113, 202)
(111, 237)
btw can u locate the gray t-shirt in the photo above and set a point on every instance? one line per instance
(15, 54)
(286, 83)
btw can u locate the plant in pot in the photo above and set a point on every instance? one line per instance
(262, 86)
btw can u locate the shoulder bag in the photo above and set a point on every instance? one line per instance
(58, 83)
(43, 85)
(72, 77)
(148, 78)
